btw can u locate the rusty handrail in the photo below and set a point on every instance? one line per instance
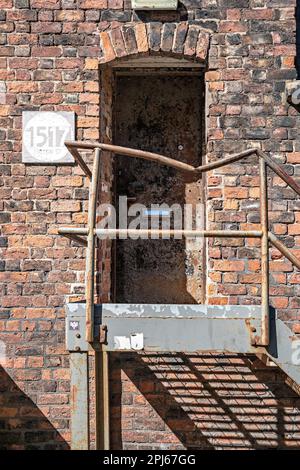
(163, 160)
(91, 232)
(283, 249)
(90, 259)
(154, 157)
(75, 231)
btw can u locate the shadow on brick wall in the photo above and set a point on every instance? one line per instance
(178, 401)
(22, 424)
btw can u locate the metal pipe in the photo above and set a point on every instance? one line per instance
(102, 233)
(284, 250)
(73, 230)
(187, 233)
(155, 157)
(78, 158)
(163, 160)
(225, 161)
(105, 397)
(90, 256)
(280, 172)
(265, 336)
(102, 400)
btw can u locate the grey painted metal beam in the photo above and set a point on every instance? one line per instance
(161, 328)
(79, 401)
(185, 328)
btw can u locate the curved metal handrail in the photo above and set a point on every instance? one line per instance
(91, 232)
(73, 147)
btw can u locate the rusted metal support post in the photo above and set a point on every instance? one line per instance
(264, 254)
(78, 159)
(105, 378)
(102, 400)
(101, 358)
(290, 181)
(90, 254)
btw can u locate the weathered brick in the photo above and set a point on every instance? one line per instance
(191, 41)
(115, 15)
(108, 52)
(54, 51)
(55, 4)
(65, 206)
(202, 45)
(87, 4)
(6, 4)
(141, 37)
(46, 27)
(179, 39)
(226, 265)
(22, 15)
(22, 3)
(232, 27)
(69, 15)
(167, 37)
(154, 36)
(117, 42)
(130, 40)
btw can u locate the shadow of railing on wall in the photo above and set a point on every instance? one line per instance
(189, 401)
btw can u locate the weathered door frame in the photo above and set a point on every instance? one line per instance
(107, 76)
(158, 66)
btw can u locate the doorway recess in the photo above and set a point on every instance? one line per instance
(159, 109)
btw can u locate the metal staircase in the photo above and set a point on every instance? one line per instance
(105, 328)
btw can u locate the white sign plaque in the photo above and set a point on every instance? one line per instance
(44, 134)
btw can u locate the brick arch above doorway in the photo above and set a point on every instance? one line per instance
(179, 40)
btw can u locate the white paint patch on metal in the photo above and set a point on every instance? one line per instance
(133, 342)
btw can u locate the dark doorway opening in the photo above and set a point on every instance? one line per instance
(160, 112)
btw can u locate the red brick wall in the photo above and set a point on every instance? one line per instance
(49, 56)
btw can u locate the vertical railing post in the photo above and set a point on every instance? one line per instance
(101, 358)
(90, 255)
(102, 400)
(264, 254)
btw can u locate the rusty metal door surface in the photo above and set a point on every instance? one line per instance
(161, 114)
